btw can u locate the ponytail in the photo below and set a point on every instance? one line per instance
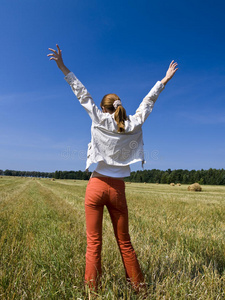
(120, 116)
(120, 113)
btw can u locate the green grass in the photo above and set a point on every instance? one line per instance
(178, 237)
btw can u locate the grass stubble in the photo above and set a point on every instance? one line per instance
(178, 237)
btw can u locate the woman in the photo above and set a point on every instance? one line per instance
(116, 143)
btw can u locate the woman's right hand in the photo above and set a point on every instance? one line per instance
(170, 72)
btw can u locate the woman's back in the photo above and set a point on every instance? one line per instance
(107, 144)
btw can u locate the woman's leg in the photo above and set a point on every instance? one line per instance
(94, 213)
(119, 215)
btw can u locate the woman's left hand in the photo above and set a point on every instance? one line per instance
(57, 57)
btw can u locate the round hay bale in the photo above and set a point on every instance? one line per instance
(195, 187)
(53, 179)
(178, 184)
(172, 184)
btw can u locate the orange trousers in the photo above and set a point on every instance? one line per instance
(109, 192)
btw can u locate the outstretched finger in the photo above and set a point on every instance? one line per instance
(174, 65)
(171, 63)
(52, 50)
(50, 54)
(58, 48)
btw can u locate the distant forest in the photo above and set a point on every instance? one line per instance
(211, 176)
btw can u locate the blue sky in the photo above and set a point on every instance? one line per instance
(122, 47)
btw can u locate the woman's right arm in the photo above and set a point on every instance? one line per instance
(147, 104)
(78, 88)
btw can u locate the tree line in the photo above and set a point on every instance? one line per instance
(210, 176)
(57, 174)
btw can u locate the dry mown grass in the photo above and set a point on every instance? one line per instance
(178, 236)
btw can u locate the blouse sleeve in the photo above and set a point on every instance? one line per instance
(84, 97)
(146, 106)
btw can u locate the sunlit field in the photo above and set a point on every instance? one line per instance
(179, 237)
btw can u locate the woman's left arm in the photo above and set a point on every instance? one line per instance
(77, 87)
(84, 97)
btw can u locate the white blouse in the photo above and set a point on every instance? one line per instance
(112, 171)
(108, 145)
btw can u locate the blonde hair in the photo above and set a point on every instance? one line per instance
(120, 113)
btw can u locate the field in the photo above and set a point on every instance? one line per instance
(179, 237)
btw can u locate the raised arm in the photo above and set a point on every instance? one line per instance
(149, 100)
(77, 87)
(57, 57)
